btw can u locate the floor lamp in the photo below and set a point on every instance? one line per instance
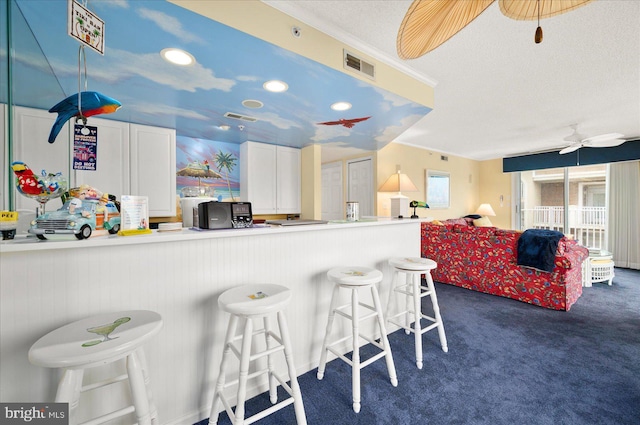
(399, 183)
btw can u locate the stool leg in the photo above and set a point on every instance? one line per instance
(298, 406)
(138, 389)
(273, 388)
(436, 312)
(355, 357)
(391, 368)
(417, 313)
(245, 354)
(69, 391)
(153, 410)
(231, 330)
(391, 298)
(409, 308)
(325, 344)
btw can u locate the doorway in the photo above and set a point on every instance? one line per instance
(360, 184)
(332, 193)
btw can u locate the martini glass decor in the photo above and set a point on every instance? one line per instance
(41, 188)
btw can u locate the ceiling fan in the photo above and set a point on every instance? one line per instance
(578, 141)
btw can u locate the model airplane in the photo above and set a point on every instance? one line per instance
(347, 123)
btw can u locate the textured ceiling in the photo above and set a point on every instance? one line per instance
(498, 93)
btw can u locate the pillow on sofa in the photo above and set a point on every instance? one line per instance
(482, 222)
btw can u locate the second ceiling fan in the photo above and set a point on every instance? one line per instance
(578, 141)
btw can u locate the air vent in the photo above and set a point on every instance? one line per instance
(444, 158)
(362, 67)
(240, 117)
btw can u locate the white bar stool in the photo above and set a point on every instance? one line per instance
(97, 341)
(354, 278)
(413, 268)
(254, 302)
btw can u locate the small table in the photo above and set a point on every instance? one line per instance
(599, 267)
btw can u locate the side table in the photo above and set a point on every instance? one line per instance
(599, 267)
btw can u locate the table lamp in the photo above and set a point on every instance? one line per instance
(485, 210)
(399, 182)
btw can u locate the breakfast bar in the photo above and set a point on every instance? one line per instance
(180, 274)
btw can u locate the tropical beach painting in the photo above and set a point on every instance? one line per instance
(207, 168)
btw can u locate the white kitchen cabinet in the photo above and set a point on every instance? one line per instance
(153, 167)
(112, 158)
(31, 128)
(270, 178)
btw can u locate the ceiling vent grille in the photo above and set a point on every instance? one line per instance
(240, 117)
(354, 63)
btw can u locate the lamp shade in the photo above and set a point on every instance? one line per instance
(527, 10)
(398, 182)
(485, 209)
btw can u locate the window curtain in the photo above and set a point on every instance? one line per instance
(623, 205)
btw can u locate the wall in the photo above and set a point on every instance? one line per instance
(414, 162)
(495, 189)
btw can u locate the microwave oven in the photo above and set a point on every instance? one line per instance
(224, 215)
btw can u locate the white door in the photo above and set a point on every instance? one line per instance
(360, 184)
(332, 199)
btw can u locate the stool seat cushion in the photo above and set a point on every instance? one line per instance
(354, 276)
(95, 340)
(254, 299)
(413, 263)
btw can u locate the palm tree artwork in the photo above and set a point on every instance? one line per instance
(200, 170)
(226, 162)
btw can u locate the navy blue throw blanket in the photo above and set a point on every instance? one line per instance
(537, 248)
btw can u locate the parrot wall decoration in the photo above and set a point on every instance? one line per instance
(92, 103)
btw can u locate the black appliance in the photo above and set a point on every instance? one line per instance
(224, 215)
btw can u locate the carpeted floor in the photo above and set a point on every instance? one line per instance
(508, 363)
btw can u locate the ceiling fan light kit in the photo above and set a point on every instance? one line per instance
(429, 23)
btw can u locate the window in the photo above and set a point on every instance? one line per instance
(437, 185)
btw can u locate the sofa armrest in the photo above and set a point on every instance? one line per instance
(570, 254)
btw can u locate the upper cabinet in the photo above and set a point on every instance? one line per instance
(130, 159)
(153, 167)
(270, 178)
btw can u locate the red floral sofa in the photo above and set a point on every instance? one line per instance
(484, 259)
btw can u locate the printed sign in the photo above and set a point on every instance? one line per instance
(85, 26)
(85, 147)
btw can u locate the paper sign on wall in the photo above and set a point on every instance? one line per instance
(85, 147)
(85, 26)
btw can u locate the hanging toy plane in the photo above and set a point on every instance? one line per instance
(347, 123)
(93, 103)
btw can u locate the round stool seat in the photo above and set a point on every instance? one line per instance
(354, 276)
(254, 299)
(413, 263)
(95, 340)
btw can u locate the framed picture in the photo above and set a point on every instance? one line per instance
(438, 189)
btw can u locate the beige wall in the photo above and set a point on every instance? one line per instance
(495, 189)
(414, 162)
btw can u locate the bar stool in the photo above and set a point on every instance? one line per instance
(255, 302)
(413, 268)
(354, 278)
(98, 341)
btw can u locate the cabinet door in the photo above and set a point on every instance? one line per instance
(112, 158)
(258, 176)
(153, 167)
(288, 180)
(31, 130)
(7, 177)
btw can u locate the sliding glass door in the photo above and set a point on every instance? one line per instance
(571, 200)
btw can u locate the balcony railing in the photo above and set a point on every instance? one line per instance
(587, 224)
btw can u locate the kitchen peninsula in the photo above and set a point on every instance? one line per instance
(46, 284)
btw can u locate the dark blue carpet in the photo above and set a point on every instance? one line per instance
(508, 363)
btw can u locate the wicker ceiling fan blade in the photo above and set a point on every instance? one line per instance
(429, 23)
(527, 10)
(571, 148)
(602, 139)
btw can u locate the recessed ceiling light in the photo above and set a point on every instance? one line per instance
(177, 56)
(224, 127)
(275, 86)
(341, 106)
(251, 103)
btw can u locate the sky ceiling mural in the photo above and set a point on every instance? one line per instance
(230, 68)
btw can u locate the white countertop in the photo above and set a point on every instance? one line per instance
(31, 243)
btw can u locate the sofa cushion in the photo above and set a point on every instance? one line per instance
(482, 222)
